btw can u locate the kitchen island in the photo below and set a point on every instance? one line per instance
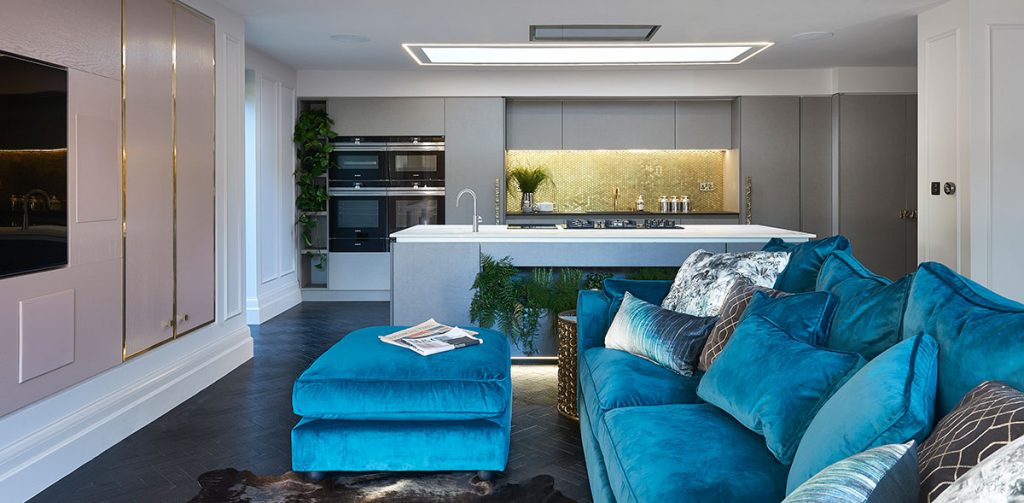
(433, 266)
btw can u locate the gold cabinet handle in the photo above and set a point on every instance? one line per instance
(183, 317)
(168, 324)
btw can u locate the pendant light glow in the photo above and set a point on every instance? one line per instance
(582, 54)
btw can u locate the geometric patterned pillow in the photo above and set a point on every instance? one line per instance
(736, 302)
(999, 478)
(989, 417)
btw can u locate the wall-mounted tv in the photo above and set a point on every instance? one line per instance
(33, 165)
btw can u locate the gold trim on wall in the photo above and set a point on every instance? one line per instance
(124, 198)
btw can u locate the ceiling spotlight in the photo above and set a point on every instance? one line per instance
(813, 35)
(349, 38)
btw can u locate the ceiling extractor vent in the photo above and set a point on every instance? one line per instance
(592, 32)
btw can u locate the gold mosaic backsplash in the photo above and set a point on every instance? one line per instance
(584, 180)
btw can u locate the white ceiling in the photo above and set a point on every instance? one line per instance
(867, 32)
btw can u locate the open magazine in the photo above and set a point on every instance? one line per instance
(431, 337)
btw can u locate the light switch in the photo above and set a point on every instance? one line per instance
(936, 188)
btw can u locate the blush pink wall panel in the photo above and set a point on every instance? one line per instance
(196, 279)
(149, 218)
(47, 332)
(80, 34)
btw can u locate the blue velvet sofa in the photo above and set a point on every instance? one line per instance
(647, 437)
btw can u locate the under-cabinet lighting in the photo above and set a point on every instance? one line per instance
(583, 54)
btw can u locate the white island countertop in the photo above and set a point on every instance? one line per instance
(688, 234)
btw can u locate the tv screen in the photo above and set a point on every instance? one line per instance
(33, 165)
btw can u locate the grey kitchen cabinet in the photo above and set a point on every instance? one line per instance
(618, 125)
(816, 184)
(703, 124)
(770, 156)
(474, 156)
(533, 125)
(387, 116)
(877, 171)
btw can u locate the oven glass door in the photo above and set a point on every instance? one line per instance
(358, 165)
(354, 216)
(406, 211)
(417, 164)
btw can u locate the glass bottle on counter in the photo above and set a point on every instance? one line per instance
(684, 204)
(640, 203)
(663, 205)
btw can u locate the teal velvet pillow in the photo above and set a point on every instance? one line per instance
(670, 339)
(773, 383)
(886, 474)
(805, 316)
(652, 291)
(891, 400)
(980, 334)
(870, 313)
(805, 260)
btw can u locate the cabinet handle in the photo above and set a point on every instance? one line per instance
(183, 317)
(168, 324)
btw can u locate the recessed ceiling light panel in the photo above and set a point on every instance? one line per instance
(592, 32)
(582, 54)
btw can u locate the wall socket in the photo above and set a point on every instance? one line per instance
(707, 186)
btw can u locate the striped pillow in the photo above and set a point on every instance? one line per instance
(884, 474)
(670, 339)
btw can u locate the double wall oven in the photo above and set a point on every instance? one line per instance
(381, 185)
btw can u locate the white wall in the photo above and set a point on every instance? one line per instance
(272, 284)
(971, 118)
(599, 83)
(44, 441)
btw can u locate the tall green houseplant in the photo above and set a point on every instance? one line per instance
(312, 138)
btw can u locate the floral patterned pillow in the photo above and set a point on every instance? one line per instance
(705, 278)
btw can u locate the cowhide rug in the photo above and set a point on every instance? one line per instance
(232, 486)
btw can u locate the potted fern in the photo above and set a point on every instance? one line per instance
(527, 180)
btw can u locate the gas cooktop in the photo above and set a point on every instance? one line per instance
(618, 223)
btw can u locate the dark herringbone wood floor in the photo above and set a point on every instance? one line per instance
(243, 421)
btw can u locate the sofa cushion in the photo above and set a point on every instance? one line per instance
(670, 339)
(774, 382)
(653, 291)
(884, 474)
(806, 316)
(705, 278)
(362, 378)
(736, 302)
(610, 379)
(889, 401)
(805, 260)
(999, 477)
(988, 418)
(870, 312)
(980, 334)
(687, 453)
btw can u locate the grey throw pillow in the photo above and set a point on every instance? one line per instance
(705, 278)
(1000, 477)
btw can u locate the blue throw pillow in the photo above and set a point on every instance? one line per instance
(886, 474)
(805, 260)
(805, 316)
(891, 400)
(773, 382)
(653, 291)
(670, 339)
(980, 334)
(870, 313)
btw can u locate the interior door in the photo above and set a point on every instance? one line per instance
(874, 171)
(194, 168)
(149, 175)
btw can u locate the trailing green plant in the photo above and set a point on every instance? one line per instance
(526, 179)
(595, 280)
(653, 273)
(312, 138)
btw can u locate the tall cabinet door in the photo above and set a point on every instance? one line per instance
(474, 155)
(194, 169)
(770, 156)
(148, 175)
(874, 170)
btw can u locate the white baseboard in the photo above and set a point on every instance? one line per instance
(325, 295)
(49, 439)
(272, 303)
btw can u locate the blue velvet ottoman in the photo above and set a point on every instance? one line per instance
(371, 406)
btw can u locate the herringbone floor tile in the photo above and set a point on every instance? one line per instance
(243, 421)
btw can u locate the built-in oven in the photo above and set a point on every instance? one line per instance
(358, 220)
(358, 161)
(412, 206)
(416, 158)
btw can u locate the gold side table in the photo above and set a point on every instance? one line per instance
(566, 327)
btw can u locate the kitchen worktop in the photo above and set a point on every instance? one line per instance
(687, 234)
(633, 214)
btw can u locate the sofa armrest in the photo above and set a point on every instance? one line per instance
(591, 319)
